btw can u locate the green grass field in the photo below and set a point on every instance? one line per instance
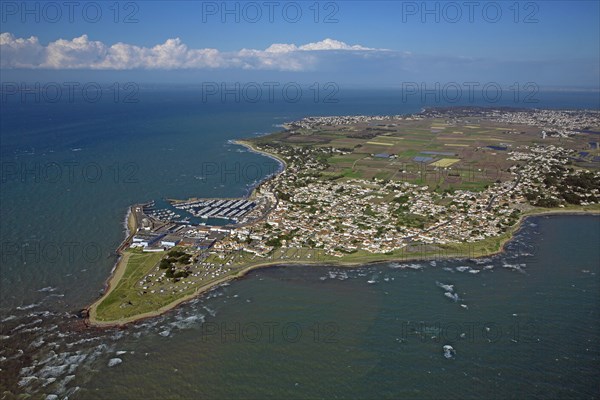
(138, 266)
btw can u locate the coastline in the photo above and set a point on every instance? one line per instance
(282, 164)
(250, 147)
(116, 275)
(120, 267)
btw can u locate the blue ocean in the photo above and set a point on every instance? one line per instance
(70, 169)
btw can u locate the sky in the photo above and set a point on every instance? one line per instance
(368, 43)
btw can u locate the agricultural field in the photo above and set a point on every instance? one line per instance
(359, 189)
(445, 155)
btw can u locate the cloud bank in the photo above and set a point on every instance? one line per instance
(326, 59)
(173, 54)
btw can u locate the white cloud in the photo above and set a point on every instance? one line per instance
(77, 53)
(19, 53)
(82, 53)
(331, 44)
(281, 48)
(327, 44)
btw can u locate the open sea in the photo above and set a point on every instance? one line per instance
(522, 324)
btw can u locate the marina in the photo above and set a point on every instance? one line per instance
(198, 223)
(232, 209)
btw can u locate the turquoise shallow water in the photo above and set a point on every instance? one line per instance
(531, 322)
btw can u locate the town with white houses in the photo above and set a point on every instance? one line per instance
(304, 207)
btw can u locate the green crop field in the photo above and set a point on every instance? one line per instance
(458, 147)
